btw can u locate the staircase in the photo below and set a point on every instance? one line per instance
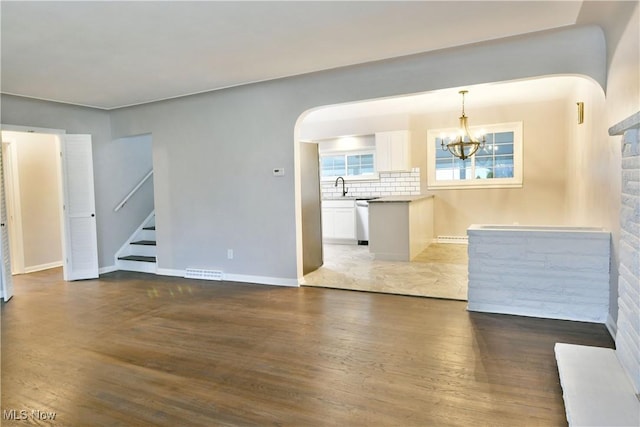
(139, 252)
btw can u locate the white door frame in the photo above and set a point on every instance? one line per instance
(14, 209)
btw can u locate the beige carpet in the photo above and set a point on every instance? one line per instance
(440, 271)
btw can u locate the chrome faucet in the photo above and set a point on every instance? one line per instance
(344, 191)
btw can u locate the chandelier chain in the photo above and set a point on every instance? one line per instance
(463, 92)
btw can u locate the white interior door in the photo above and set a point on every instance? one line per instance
(80, 255)
(5, 263)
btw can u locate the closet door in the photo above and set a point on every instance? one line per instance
(80, 236)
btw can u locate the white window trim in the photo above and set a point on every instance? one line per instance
(515, 182)
(375, 176)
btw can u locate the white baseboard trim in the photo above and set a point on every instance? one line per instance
(261, 280)
(243, 278)
(612, 326)
(108, 269)
(137, 266)
(170, 272)
(41, 267)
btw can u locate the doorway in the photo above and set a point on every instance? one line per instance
(72, 175)
(440, 271)
(34, 200)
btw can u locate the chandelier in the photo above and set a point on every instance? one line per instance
(463, 145)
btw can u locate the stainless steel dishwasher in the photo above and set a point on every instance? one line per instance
(362, 220)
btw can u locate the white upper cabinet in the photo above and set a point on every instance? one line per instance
(393, 151)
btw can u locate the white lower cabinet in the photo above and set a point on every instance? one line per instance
(339, 221)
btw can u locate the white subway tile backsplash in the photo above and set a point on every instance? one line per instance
(388, 184)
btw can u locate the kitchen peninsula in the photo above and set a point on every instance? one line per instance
(400, 227)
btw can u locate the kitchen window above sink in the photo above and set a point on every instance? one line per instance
(351, 157)
(352, 164)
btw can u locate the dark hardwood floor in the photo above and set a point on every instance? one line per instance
(133, 349)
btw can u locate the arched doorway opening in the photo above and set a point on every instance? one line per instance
(554, 153)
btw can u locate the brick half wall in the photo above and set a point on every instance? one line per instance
(550, 272)
(628, 324)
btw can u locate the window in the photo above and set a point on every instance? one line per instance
(347, 164)
(497, 165)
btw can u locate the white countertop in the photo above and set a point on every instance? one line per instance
(401, 199)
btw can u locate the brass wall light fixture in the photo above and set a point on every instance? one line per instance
(463, 145)
(580, 112)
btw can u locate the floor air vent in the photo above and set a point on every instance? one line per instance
(453, 239)
(198, 273)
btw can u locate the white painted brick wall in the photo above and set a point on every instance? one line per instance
(628, 324)
(389, 184)
(551, 274)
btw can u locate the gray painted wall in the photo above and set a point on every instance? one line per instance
(133, 159)
(213, 153)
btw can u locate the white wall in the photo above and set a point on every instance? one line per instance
(362, 126)
(349, 143)
(39, 198)
(621, 25)
(622, 30)
(541, 199)
(593, 175)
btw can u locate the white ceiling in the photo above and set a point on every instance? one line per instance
(494, 94)
(113, 54)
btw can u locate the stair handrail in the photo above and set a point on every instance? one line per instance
(132, 192)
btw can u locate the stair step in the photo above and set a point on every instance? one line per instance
(145, 235)
(153, 227)
(145, 242)
(138, 258)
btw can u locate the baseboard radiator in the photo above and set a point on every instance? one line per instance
(462, 240)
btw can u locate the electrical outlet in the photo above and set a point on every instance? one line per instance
(229, 253)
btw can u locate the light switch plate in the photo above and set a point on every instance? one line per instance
(278, 171)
